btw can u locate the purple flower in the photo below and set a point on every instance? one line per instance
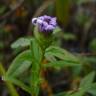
(45, 23)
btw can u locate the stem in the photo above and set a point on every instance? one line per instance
(10, 87)
(39, 42)
(44, 85)
(34, 71)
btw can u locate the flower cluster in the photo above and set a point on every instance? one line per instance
(45, 23)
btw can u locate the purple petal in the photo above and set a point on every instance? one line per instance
(41, 17)
(53, 22)
(54, 18)
(39, 21)
(34, 21)
(49, 28)
(45, 24)
(41, 28)
(46, 17)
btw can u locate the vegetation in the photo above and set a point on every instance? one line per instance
(47, 48)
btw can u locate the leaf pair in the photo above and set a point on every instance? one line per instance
(59, 58)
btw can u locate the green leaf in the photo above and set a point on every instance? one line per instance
(61, 54)
(87, 81)
(61, 94)
(92, 90)
(50, 58)
(79, 93)
(61, 64)
(18, 83)
(69, 36)
(92, 45)
(23, 67)
(20, 64)
(85, 85)
(21, 42)
(89, 59)
(57, 30)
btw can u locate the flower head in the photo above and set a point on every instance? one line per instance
(45, 23)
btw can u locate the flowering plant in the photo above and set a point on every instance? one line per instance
(27, 68)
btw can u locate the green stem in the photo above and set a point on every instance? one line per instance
(36, 69)
(10, 87)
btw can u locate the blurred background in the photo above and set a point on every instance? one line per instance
(77, 20)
